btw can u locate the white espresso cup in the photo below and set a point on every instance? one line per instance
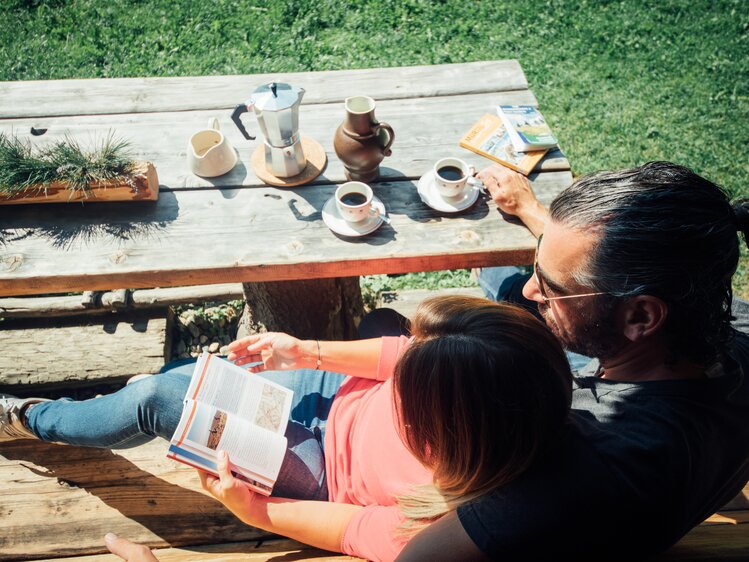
(354, 201)
(209, 153)
(451, 176)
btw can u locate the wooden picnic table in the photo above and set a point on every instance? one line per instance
(234, 228)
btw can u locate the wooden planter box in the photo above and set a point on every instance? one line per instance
(146, 189)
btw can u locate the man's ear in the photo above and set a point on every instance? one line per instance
(642, 316)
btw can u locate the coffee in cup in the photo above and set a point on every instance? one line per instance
(451, 176)
(354, 201)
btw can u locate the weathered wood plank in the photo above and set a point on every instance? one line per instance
(741, 501)
(59, 500)
(275, 234)
(714, 543)
(33, 307)
(72, 496)
(406, 302)
(706, 542)
(730, 542)
(103, 349)
(146, 95)
(426, 129)
(254, 551)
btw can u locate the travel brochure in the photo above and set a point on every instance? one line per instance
(228, 408)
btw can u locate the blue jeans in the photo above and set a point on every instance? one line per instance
(506, 284)
(152, 407)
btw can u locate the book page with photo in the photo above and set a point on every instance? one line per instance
(228, 408)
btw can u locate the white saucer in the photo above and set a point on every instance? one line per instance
(432, 198)
(339, 225)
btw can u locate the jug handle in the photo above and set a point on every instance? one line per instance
(391, 137)
(235, 116)
(214, 124)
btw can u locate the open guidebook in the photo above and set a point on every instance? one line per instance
(228, 408)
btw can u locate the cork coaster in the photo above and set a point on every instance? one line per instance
(316, 161)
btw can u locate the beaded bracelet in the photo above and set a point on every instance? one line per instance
(319, 357)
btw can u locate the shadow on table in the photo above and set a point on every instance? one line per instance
(231, 183)
(67, 224)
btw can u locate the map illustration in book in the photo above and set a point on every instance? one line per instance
(489, 138)
(228, 408)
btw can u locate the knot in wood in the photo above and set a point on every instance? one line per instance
(119, 257)
(12, 263)
(469, 237)
(294, 247)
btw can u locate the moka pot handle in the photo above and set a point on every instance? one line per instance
(236, 117)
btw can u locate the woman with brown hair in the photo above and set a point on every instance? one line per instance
(478, 395)
(482, 393)
(472, 400)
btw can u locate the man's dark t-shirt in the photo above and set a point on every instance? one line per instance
(638, 467)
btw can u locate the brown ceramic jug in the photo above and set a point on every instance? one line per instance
(361, 142)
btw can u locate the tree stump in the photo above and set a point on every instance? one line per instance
(325, 309)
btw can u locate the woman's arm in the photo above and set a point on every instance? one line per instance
(279, 351)
(317, 523)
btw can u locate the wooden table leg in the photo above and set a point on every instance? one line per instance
(327, 309)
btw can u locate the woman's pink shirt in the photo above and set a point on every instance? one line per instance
(367, 463)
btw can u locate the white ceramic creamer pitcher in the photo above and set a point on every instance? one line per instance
(209, 153)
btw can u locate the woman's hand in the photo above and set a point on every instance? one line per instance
(276, 350)
(513, 194)
(128, 551)
(230, 491)
(318, 523)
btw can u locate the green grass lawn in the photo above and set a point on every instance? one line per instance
(620, 82)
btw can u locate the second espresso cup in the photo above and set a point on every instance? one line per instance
(354, 201)
(451, 176)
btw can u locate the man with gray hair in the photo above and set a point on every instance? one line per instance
(633, 268)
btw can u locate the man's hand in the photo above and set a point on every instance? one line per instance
(513, 194)
(128, 551)
(510, 190)
(230, 491)
(277, 351)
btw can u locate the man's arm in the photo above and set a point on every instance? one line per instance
(444, 540)
(513, 195)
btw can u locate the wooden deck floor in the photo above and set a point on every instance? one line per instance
(59, 501)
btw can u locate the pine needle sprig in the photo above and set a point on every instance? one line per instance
(66, 161)
(79, 168)
(20, 169)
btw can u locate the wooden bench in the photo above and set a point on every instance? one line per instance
(59, 501)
